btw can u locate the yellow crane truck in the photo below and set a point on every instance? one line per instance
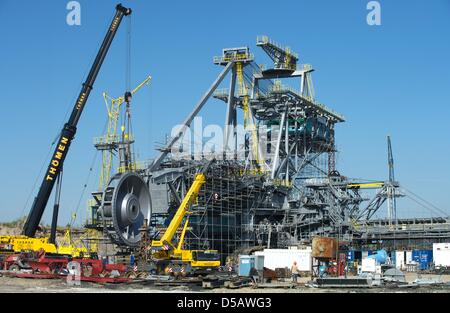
(173, 258)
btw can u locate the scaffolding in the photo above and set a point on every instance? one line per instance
(222, 217)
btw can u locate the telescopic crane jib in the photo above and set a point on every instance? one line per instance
(69, 129)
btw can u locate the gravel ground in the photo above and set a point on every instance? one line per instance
(23, 285)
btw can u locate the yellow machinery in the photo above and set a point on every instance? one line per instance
(65, 246)
(22, 243)
(174, 256)
(371, 185)
(366, 185)
(70, 247)
(110, 139)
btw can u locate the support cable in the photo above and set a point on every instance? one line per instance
(128, 56)
(94, 159)
(428, 205)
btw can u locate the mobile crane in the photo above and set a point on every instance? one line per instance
(54, 171)
(173, 258)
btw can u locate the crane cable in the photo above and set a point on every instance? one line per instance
(74, 215)
(83, 190)
(426, 204)
(128, 56)
(127, 117)
(127, 88)
(44, 162)
(50, 150)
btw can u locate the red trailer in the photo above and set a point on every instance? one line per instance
(41, 264)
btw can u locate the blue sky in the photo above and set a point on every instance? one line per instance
(389, 79)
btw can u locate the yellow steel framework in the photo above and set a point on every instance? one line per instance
(366, 185)
(113, 107)
(248, 122)
(70, 246)
(289, 54)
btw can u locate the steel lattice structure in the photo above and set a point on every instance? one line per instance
(279, 187)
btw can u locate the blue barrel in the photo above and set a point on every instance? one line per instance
(423, 258)
(380, 256)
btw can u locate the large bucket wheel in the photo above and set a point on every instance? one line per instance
(125, 206)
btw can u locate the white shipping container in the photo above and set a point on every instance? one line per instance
(281, 258)
(441, 254)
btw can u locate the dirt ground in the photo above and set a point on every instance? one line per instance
(23, 285)
(409, 276)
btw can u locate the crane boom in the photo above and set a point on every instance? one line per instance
(390, 160)
(189, 198)
(169, 256)
(69, 129)
(176, 221)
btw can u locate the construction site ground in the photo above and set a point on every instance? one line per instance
(23, 285)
